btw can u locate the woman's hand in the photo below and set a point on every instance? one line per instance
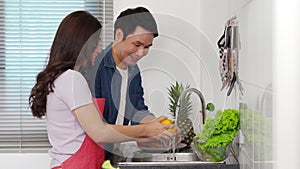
(155, 128)
(159, 135)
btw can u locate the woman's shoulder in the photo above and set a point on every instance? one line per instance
(70, 76)
(72, 72)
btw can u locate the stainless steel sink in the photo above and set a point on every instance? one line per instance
(164, 159)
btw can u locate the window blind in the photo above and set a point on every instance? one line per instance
(27, 29)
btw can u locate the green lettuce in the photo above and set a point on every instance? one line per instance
(217, 134)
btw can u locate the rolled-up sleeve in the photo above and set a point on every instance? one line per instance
(137, 101)
(139, 115)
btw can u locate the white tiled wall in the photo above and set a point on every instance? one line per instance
(256, 31)
(256, 58)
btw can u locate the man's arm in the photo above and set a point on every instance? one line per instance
(136, 94)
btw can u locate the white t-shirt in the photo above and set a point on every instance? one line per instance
(121, 113)
(64, 132)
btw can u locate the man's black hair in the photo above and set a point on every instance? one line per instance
(129, 19)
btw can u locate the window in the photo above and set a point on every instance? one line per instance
(27, 29)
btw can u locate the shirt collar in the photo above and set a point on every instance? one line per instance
(110, 62)
(108, 59)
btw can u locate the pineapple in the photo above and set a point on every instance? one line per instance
(183, 121)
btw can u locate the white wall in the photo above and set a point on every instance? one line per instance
(269, 69)
(287, 82)
(256, 19)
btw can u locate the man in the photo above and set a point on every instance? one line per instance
(118, 78)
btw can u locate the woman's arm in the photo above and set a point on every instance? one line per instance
(101, 132)
(147, 119)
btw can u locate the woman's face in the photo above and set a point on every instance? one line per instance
(83, 62)
(96, 51)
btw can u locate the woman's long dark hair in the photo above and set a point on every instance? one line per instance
(75, 40)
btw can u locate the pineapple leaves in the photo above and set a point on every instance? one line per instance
(184, 123)
(174, 93)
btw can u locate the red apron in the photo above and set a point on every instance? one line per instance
(89, 156)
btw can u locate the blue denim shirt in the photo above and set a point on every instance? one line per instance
(108, 85)
(105, 82)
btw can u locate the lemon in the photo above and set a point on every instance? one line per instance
(168, 121)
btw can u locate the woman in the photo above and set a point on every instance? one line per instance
(75, 128)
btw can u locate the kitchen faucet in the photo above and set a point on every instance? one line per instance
(179, 102)
(199, 94)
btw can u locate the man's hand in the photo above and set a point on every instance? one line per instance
(162, 141)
